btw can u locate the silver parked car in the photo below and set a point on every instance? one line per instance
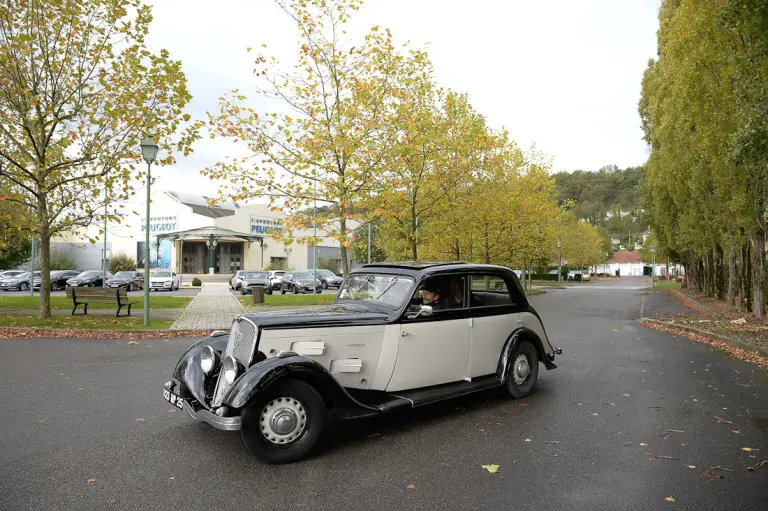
(300, 282)
(252, 279)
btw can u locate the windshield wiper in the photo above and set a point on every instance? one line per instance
(365, 281)
(392, 283)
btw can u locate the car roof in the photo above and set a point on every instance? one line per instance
(424, 268)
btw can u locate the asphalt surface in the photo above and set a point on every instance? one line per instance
(76, 410)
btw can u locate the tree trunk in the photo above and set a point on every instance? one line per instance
(44, 311)
(719, 272)
(344, 254)
(457, 250)
(523, 272)
(733, 276)
(745, 282)
(758, 273)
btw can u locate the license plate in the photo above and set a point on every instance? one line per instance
(172, 398)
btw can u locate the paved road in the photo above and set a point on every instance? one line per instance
(80, 409)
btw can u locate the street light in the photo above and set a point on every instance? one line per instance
(149, 153)
(653, 266)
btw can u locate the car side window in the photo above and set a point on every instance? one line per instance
(490, 291)
(442, 293)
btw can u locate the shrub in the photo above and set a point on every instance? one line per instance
(197, 282)
(121, 262)
(60, 260)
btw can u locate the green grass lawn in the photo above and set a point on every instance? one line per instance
(289, 300)
(668, 285)
(62, 302)
(82, 322)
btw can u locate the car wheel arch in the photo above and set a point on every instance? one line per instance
(518, 336)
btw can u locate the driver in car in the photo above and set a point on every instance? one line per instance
(431, 296)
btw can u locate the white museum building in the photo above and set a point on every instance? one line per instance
(190, 237)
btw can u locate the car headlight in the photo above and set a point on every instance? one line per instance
(208, 359)
(229, 370)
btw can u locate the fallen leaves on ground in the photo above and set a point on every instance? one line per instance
(660, 457)
(491, 468)
(139, 419)
(691, 466)
(523, 405)
(411, 486)
(643, 444)
(721, 420)
(48, 333)
(172, 410)
(749, 449)
(92, 480)
(614, 330)
(757, 467)
(709, 475)
(132, 342)
(627, 395)
(669, 499)
(738, 353)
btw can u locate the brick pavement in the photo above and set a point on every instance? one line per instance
(214, 307)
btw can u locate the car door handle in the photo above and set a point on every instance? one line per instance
(403, 333)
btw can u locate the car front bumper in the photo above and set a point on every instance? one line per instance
(201, 415)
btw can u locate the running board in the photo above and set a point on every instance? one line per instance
(428, 395)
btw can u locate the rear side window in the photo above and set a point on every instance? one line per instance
(491, 291)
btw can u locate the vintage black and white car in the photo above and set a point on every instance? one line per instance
(398, 335)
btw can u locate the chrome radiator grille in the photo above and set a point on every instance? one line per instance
(241, 345)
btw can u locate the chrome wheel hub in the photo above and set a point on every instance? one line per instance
(283, 420)
(521, 369)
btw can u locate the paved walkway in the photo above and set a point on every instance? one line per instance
(214, 307)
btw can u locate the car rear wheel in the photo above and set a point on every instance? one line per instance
(523, 370)
(283, 423)
(130, 287)
(23, 286)
(325, 284)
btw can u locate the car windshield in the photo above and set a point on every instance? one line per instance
(88, 274)
(256, 275)
(123, 274)
(326, 273)
(391, 290)
(162, 274)
(278, 273)
(303, 275)
(22, 275)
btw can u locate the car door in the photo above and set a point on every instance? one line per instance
(495, 307)
(433, 349)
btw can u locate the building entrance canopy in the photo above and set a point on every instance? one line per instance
(224, 249)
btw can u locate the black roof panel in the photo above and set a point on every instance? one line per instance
(414, 265)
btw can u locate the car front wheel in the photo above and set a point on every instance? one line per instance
(55, 286)
(130, 287)
(523, 370)
(283, 423)
(295, 290)
(325, 284)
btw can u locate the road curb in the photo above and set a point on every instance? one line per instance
(712, 335)
(65, 333)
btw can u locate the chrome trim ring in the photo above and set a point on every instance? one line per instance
(283, 420)
(521, 369)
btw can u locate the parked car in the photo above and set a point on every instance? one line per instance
(88, 278)
(19, 282)
(164, 279)
(328, 279)
(128, 280)
(7, 274)
(280, 377)
(59, 279)
(253, 279)
(579, 276)
(300, 282)
(236, 279)
(276, 278)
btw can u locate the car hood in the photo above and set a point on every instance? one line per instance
(331, 315)
(305, 281)
(255, 281)
(160, 279)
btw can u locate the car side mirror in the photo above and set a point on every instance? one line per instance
(424, 310)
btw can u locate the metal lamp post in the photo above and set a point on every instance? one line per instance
(149, 153)
(559, 263)
(653, 266)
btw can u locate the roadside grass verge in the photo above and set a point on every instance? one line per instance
(62, 302)
(668, 285)
(82, 322)
(289, 300)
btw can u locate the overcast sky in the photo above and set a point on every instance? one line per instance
(563, 74)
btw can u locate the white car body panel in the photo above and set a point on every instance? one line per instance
(490, 333)
(431, 353)
(350, 353)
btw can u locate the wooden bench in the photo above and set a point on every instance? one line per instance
(87, 295)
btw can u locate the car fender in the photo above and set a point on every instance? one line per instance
(289, 365)
(188, 368)
(516, 337)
